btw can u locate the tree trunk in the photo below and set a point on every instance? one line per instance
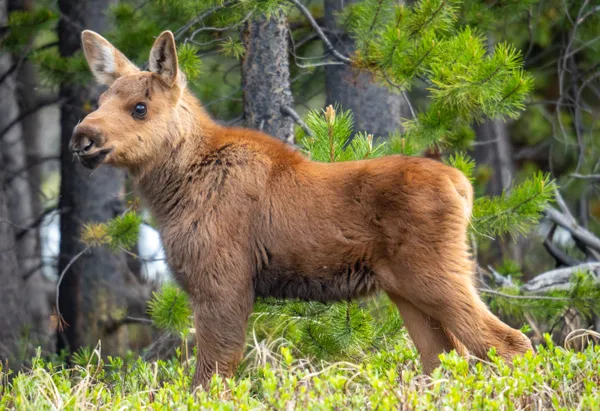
(28, 99)
(25, 199)
(376, 109)
(266, 76)
(16, 175)
(26, 305)
(13, 318)
(494, 149)
(91, 291)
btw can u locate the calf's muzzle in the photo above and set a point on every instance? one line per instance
(86, 144)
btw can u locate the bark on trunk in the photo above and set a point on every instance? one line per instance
(13, 317)
(25, 204)
(91, 291)
(266, 76)
(376, 109)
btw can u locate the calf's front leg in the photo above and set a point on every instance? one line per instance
(220, 322)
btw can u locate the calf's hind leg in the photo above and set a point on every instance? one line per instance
(450, 298)
(429, 336)
(473, 323)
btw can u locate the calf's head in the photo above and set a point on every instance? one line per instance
(138, 113)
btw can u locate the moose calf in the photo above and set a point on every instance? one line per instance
(242, 214)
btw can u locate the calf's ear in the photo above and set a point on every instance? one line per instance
(105, 61)
(163, 60)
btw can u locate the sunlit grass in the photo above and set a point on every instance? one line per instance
(271, 377)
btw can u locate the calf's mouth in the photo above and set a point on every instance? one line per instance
(93, 160)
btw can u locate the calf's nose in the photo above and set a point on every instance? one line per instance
(84, 138)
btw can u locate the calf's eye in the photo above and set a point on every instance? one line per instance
(140, 110)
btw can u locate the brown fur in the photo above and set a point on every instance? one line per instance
(242, 214)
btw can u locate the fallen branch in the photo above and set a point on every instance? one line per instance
(569, 224)
(499, 279)
(522, 297)
(559, 279)
(561, 258)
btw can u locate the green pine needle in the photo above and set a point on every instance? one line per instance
(514, 212)
(189, 61)
(464, 163)
(123, 231)
(169, 308)
(333, 140)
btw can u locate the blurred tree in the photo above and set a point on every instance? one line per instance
(26, 315)
(376, 108)
(266, 76)
(493, 150)
(16, 175)
(11, 319)
(26, 82)
(91, 292)
(26, 196)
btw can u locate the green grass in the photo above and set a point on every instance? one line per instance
(271, 377)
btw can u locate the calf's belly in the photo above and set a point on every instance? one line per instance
(324, 285)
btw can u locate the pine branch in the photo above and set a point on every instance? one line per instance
(60, 319)
(320, 33)
(218, 29)
(290, 112)
(179, 32)
(36, 223)
(513, 212)
(370, 31)
(429, 20)
(16, 65)
(23, 115)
